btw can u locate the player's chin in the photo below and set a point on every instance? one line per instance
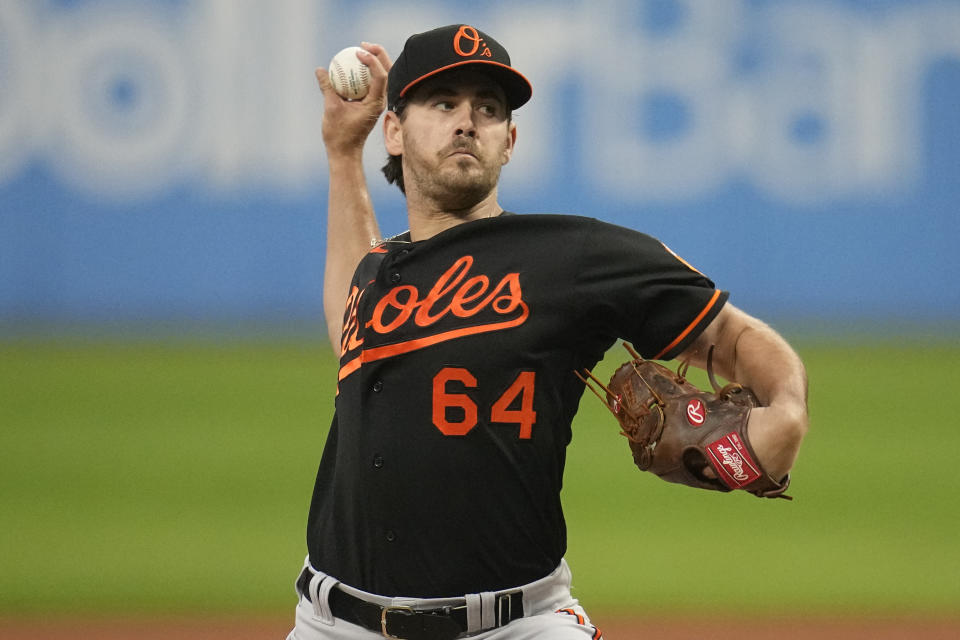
(462, 191)
(470, 175)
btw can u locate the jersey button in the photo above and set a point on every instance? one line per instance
(377, 461)
(395, 277)
(391, 536)
(377, 386)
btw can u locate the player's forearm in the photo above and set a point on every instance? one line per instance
(350, 220)
(351, 225)
(753, 354)
(767, 364)
(762, 360)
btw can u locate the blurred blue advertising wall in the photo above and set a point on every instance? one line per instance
(161, 163)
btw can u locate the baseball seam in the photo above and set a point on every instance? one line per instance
(344, 86)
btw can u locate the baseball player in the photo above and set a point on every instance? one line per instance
(436, 512)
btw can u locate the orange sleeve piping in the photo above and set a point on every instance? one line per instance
(691, 326)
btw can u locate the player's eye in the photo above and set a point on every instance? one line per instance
(443, 105)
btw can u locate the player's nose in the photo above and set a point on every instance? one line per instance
(464, 121)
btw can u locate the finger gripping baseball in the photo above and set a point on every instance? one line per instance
(684, 434)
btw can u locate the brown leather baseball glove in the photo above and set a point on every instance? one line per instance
(683, 434)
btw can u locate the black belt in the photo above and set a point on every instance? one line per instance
(444, 623)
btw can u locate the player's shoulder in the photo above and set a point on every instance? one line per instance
(576, 223)
(539, 217)
(558, 220)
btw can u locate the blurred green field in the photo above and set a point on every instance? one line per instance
(174, 479)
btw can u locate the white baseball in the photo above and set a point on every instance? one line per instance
(349, 77)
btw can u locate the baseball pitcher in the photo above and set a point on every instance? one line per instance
(465, 344)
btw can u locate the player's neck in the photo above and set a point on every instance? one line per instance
(427, 219)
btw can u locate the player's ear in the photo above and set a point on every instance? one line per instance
(393, 134)
(511, 143)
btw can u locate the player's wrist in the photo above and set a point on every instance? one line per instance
(790, 413)
(344, 161)
(775, 434)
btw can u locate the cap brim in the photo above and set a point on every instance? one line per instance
(515, 86)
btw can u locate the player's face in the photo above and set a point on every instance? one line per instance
(455, 137)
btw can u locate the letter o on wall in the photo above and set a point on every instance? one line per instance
(124, 102)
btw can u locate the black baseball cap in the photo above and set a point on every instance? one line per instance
(427, 54)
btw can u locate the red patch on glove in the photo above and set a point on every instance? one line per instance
(732, 462)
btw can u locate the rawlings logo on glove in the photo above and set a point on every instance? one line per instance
(683, 434)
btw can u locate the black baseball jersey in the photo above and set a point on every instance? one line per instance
(442, 470)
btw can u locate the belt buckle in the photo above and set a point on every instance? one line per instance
(507, 598)
(407, 611)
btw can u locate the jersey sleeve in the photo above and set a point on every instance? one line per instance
(637, 289)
